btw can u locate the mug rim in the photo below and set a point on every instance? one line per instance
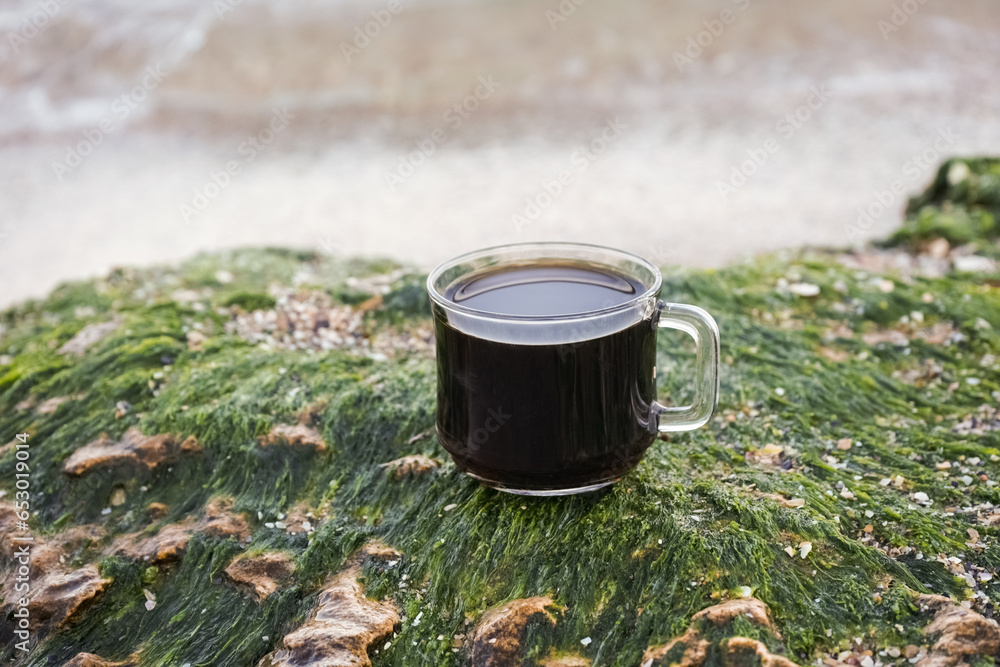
(450, 305)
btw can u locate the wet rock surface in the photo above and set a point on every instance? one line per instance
(133, 449)
(262, 574)
(710, 639)
(498, 638)
(167, 544)
(296, 435)
(565, 661)
(61, 596)
(50, 405)
(853, 462)
(170, 541)
(959, 634)
(91, 660)
(57, 593)
(221, 520)
(87, 337)
(411, 466)
(345, 625)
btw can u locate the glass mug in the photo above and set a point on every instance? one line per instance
(546, 363)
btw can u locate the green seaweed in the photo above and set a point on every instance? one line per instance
(699, 521)
(251, 301)
(961, 205)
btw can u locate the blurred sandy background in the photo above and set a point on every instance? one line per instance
(223, 67)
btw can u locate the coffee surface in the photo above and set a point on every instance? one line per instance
(544, 290)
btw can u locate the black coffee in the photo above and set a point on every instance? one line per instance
(581, 411)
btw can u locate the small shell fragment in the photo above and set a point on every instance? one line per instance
(804, 289)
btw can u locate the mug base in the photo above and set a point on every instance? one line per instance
(542, 493)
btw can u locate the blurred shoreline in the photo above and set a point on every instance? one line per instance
(180, 89)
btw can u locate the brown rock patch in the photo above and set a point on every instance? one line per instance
(897, 338)
(300, 519)
(791, 503)
(50, 555)
(87, 337)
(312, 412)
(157, 510)
(49, 406)
(834, 354)
(260, 575)
(91, 660)
(57, 593)
(134, 448)
(565, 661)
(296, 435)
(498, 638)
(196, 340)
(746, 651)
(961, 633)
(26, 404)
(8, 519)
(61, 596)
(411, 466)
(767, 455)
(221, 521)
(169, 543)
(692, 649)
(345, 625)
(722, 613)
(937, 334)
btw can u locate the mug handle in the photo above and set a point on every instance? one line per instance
(699, 325)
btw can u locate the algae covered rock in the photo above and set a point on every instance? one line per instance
(261, 575)
(91, 660)
(167, 543)
(411, 466)
(960, 634)
(297, 435)
(62, 596)
(133, 448)
(346, 625)
(961, 205)
(852, 470)
(713, 638)
(498, 638)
